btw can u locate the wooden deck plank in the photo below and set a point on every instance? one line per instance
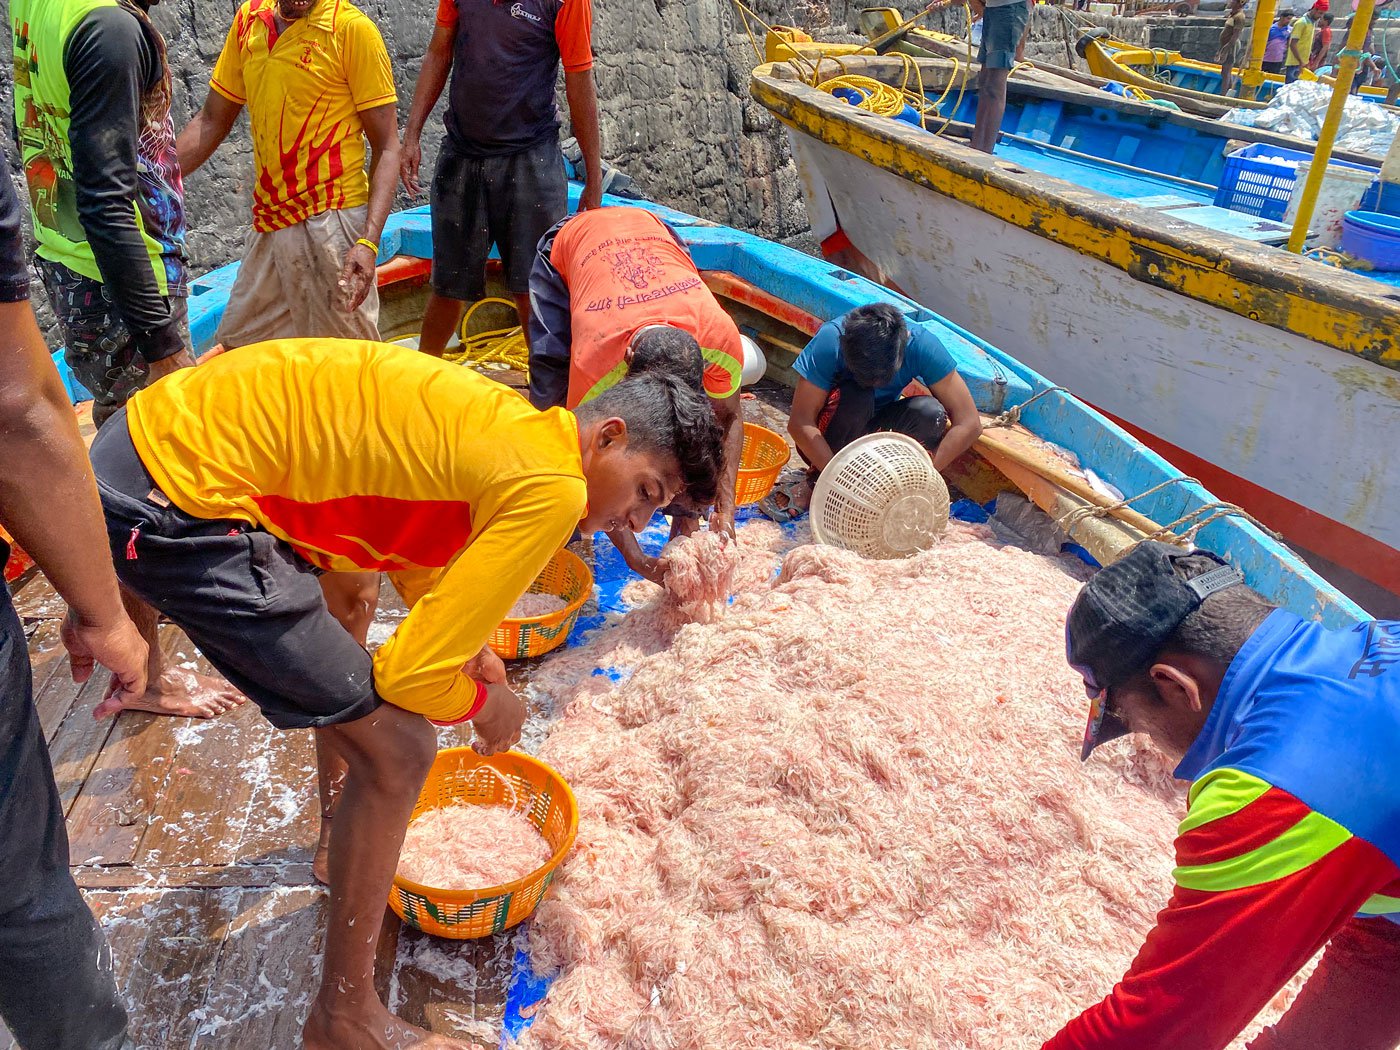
(267, 973)
(454, 988)
(35, 599)
(284, 809)
(200, 816)
(47, 657)
(237, 876)
(78, 739)
(166, 944)
(110, 815)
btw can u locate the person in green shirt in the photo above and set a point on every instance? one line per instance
(1300, 42)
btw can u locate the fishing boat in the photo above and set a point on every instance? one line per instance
(1157, 69)
(1090, 249)
(199, 868)
(919, 42)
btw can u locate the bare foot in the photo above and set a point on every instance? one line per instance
(180, 693)
(371, 1028)
(321, 863)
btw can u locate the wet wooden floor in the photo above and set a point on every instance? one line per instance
(192, 842)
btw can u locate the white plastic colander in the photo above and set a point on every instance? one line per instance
(880, 497)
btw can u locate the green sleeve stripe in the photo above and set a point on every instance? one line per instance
(1380, 904)
(1302, 845)
(1219, 794)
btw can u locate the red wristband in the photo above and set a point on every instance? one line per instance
(472, 711)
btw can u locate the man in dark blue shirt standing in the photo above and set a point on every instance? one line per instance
(500, 176)
(56, 986)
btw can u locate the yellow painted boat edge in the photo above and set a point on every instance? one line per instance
(1325, 305)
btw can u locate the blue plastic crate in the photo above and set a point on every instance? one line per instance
(1258, 179)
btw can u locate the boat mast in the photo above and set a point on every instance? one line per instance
(1341, 88)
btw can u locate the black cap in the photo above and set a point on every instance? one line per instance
(1125, 614)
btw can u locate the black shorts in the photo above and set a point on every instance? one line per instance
(250, 603)
(508, 201)
(97, 345)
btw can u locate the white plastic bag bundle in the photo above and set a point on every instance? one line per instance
(1298, 108)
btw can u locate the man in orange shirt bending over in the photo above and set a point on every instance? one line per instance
(228, 487)
(613, 290)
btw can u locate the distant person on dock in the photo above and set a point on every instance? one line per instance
(615, 292)
(853, 379)
(1004, 27)
(1276, 48)
(1300, 42)
(1322, 46)
(1291, 842)
(500, 177)
(98, 149)
(56, 986)
(309, 263)
(1236, 22)
(228, 488)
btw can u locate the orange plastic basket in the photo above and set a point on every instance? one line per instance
(459, 775)
(567, 576)
(764, 457)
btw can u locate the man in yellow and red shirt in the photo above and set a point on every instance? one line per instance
(316, 79)
(607, 286)
(226, 489)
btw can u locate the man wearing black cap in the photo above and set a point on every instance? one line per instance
(1291, 734)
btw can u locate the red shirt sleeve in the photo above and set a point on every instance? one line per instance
(447, 13)
(1216, 957)
(573, 31)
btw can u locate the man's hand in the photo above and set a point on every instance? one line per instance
(410, 157)
(498, 722)
(173, 363)
(722, 521)
(356, 277)
(117, 647)
(486, 667)
(636, 559)
(592, 196)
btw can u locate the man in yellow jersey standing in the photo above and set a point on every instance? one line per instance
(316, 79)
(227, 487)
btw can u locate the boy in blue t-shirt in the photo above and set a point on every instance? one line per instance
(854, 374)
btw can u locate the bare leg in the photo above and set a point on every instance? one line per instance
(172, 690)
(440, 320)
(389, 753)
(522, 307)
(351, 598)
(991, 107)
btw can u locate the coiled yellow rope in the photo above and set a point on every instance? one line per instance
(499, 348)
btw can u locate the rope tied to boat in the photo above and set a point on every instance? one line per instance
(1213, 511)
(1012, 416)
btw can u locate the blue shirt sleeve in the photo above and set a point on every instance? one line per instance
(928, 358)
(819, 361)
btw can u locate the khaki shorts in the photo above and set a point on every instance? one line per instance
(287, 284)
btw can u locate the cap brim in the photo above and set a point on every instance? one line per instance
(1100, 730)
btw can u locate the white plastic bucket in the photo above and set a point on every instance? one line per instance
(755, 363)
(1340, 193)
